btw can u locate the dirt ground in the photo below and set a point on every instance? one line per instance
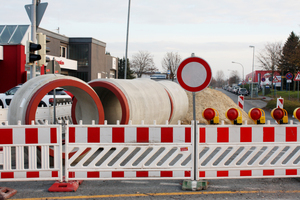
(210, 98)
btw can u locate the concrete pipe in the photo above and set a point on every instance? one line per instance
(136, 100)
(25, 102)
(179, 100)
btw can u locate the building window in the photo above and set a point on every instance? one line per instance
(63, 52)
(81, 75)
(80, 52)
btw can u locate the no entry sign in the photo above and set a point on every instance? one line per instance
(194, 74)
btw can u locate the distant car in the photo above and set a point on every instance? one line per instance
(48, 100)
(243, 91)
(235, 89)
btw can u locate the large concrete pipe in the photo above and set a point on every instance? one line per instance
(179, 100)
(25, 102)
(136, 100)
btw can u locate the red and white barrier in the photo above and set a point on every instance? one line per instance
(241, 101)
(114, 152)
(128, 152)
(280, 102)
(249, 151)
(15, 140)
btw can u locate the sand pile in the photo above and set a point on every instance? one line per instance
(210, 98)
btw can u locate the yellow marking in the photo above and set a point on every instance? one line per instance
(163, 194)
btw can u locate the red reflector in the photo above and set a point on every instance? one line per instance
(232, 114)
(255, 114)
(209, 114)
(278, 114)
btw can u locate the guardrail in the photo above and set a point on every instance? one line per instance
(110, 152)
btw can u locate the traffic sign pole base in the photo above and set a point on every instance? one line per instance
(194, 185)
(6, 192)
(70, 186)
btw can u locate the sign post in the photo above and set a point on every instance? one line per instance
(297, 78)
(194, 74)
(289, 77)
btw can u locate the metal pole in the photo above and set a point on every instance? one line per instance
(298, 91)
(195, 138)
(252, 71)
(243, 71)
(125, 70)
(33, 35)
(54, 94)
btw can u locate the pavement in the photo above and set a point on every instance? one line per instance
(259, 101)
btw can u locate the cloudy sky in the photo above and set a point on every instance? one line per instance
(219, 31)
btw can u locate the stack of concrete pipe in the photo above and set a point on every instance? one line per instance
(105, 99)
(141, 99)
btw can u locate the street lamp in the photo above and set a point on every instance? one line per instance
(252, 71)
(125, 70)
(243, 71)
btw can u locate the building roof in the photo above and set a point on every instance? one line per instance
(12, 34)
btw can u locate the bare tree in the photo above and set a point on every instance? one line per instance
(171, 62)
(234, 77)
(142, 62)
(269, 57)
(220, 78)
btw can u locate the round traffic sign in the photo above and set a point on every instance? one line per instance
(263, 79)
(194, 74)
(289, 76)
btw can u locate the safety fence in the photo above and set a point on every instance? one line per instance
(24, 153)
(110, 152)
(128, 152)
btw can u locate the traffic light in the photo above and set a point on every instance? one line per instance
(31, 57)
(43, 40)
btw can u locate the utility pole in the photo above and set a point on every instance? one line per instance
(33, 36)
(125, 70)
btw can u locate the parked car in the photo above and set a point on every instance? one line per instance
(235, 89)
(243, 91)
(48, 100)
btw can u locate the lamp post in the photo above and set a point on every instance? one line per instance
(125, 70)
(252, 71)
(243, 70)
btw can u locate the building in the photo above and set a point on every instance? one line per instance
(92, 60)
(260, 76)
(82, 57)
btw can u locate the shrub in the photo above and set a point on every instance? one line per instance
(289, 106)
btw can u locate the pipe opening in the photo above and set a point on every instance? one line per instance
(111, 105)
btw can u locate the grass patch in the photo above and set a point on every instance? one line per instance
(288, 105)
(287, 95)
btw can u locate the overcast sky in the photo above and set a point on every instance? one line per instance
(219, 31)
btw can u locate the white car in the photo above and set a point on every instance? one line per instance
(48, 100)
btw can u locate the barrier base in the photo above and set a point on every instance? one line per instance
(70, 186)
(194, 185)
(6, 193)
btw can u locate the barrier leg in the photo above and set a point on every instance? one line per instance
(70, 186)
(194, 185)
(6, 193)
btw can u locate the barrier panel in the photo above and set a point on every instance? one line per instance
(135, 152)
(128, 152)
(249, 151)
(25, 153)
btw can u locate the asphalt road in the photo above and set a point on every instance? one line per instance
(269, 188)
